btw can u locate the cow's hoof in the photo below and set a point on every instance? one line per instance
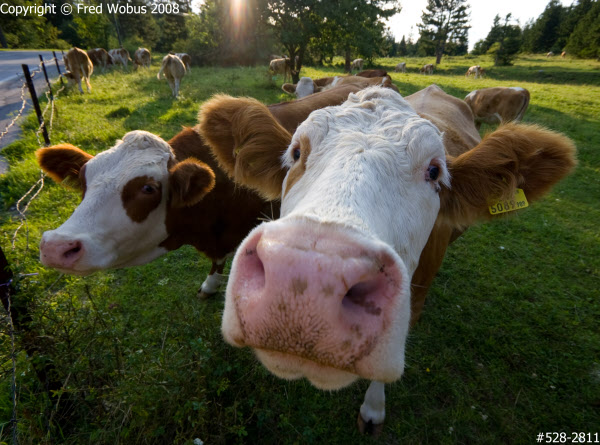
(203, 295)
(369, 428)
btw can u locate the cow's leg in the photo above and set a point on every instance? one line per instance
(176, 87)
(87, 84)
(172, 85)
(372, 411)
(79, 85)
(213, 280)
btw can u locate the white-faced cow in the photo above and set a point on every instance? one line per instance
(141, 57)
(174, 70)
(400, 68)
(499, 104)
(307, 86)
(144, 197)
(372, 192)
(79, 68)
(120, 55)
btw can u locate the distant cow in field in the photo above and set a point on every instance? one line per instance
(427, 69)
(550, 54)
(100, 57)
(307, 86)
(563, 54)
(474, 71)
(174, 70)
(281, 66)
(141, 57)
(372, 73)
(162, 196)
(357, 64)
(79, 67)
(498, 105)
(186, 59)
(400, 68)
(372, 193)
(120, 55)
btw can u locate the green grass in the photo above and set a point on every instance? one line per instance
(508, 345)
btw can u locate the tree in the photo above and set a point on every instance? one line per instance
(402, 47)
(542, 35)
(444, 21)
(585, 39)
(504, 41)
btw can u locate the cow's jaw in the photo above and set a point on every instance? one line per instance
(117, 223)
(324, 291)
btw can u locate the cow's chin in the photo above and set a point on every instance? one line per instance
(291, 367)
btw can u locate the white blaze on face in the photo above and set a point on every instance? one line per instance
(121, 219)
(323, 292)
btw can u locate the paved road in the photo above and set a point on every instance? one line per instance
(11, 80)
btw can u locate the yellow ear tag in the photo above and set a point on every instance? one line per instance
(519, 201)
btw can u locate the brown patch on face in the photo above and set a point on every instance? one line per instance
(82, 183)
(140, 196)
(299, 166)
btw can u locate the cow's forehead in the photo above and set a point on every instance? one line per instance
(138, 153)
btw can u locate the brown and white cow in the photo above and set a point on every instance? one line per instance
(427, 69)
(563, 54)
(307, 86)
(100, 57)
(144, 197)
(281, 66)
(186, 59)
(79, 67)
(499, 104)
(120, 55)
(174, 70)
(475, 71)
(141, 57)
(357, 64)
(400, 68)
(372, 192)
(550, 54)
(372, 73)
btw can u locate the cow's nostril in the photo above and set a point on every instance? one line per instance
(73, 251)
(364, 295)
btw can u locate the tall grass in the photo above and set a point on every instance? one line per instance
(508, 345)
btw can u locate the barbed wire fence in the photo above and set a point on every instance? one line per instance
(45, 128)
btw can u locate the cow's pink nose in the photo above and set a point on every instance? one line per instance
(314, 292)
(60, 254)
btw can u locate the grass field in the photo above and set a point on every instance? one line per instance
(508, 345)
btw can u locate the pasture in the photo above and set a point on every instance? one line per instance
(508, 345)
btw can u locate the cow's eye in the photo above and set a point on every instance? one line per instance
(296, 153)
(433, 172)
(148, 189)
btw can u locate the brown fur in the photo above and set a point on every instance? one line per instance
(120, 55)
(299, 167)
(325, 83)
(80, 67)
(174, 70)
(498, 105)
(100, 57)
(372, 73)
(141, 58)
(137, 202)
(189, 182)
(62, 162)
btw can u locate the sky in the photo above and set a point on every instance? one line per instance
(482, 15)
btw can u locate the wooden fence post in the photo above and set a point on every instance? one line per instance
(58, 68)
(46, 76)
(36, 104)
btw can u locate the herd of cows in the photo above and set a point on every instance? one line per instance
(364, 190)
(80, 64)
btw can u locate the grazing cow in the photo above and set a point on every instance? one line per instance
(281, 66)
(307, 86)
(174, 70)
(400, 68)
(563, 54)
(186, 59)
(475, 70)
(498, 105)
(120, 55)
(141, 57)
(372, 73)
(79, 67)
(356, 64)
(161, 196)
(427, 69)
(550, 54)
(100, 57)
(372, 192)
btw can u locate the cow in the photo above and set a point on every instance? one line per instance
(120, 55)
(427, 69)
(186, 59)
(475, 70)
(357, 64)
(161, 197)
(281, 66)
(307, 86)
(550, 54)
(79, 66)
(497, 105)
(174, 70)
(400, 68)
(563, 54)
(100, 57)
(372, 73)
(372, 192)
(141, 57)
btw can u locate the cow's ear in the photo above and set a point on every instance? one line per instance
(247, 142)
(514, 156)
(289, 88)
(63, 162)
(189, 182)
